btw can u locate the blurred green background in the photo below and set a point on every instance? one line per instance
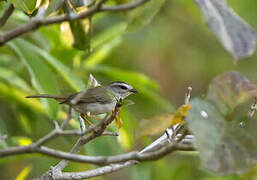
(161, 60)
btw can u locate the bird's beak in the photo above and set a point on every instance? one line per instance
(134, 90)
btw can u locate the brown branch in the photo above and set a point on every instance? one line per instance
(8, 12)
(37, 22)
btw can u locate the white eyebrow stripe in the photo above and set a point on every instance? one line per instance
(121, 84)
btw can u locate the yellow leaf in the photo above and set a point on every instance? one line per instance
(158, 124)
(180, 114)
(118, 120)
(124, 139)
(22, 141)
(24, 173)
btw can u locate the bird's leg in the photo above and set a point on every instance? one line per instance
(95, 117)
(85, 119)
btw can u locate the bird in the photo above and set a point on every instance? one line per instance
(95, 100)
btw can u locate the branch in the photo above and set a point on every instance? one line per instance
(152, 152)
(8, 12)
(124, 7)
(128, 159)
(38, 22)
(98, 131)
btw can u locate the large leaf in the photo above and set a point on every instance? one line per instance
(43, 79)
(109, 34)
(229, 90)
(13, 94)
(12, 78)
(234, 33)
(158, 124)
(24, 173)
(74, 81)
(81, 34)
(225, 146)
(99, 55)
(143, 15)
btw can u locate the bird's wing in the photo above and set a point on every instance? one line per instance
(97, 94)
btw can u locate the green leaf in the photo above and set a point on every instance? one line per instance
(24, 173)
(13, 79)
(127, 76)
(109, 34)
(53, 6)
(68, 75)
(27, 6)
(21, 141)
(13, 94)
(81, 36)
(101, 54)
(143, 15)
(225, 146)
(229, 90)
(43, 79)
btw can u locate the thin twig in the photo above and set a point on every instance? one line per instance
(188, 95)
(8, 12)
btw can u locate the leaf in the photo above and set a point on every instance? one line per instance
(99, 55)
(127, 76)
(235, 34)
(13, 94)
(68, 75)
(118, 120)
(52, 6)
(24, 173)
(81, 34)
(16, 96)
(43, 79)
(180, 114)
(158, 124)
(109, 34)
(12, 78)
(225, 146)
(22, 141)
(27, 6)
(143, 15)
(229, 90)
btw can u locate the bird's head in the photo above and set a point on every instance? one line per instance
(121, 89)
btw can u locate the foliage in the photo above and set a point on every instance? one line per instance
(159, 48)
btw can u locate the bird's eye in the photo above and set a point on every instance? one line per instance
(123, 87)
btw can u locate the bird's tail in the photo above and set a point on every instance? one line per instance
(56, 97)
